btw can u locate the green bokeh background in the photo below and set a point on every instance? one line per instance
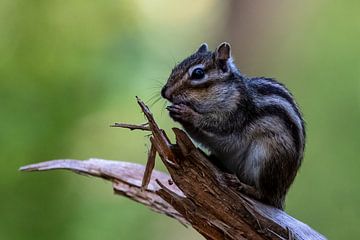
(70, 68)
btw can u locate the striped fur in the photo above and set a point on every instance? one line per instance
(251, 126)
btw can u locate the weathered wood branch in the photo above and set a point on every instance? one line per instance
(195, 193)
(143, 127)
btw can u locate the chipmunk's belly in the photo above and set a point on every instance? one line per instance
(240, 157)
(230, 150)
(235, 154)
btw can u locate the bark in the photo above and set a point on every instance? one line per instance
(194, 192)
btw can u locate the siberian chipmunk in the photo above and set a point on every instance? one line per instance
(251, 125)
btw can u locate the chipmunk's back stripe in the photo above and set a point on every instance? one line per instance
(268, 87)
(279, 111)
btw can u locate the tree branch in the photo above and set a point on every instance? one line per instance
(195, 193)
(143, 127)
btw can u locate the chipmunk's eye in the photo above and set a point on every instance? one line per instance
(198, 73)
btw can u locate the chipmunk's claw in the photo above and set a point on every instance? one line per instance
(180, 112)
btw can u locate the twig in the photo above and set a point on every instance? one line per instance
(143, 127)
(161, 140)
(149, 165)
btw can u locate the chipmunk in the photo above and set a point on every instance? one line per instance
(252, 126)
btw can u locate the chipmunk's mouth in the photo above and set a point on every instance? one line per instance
(188, 104)
(178, 100)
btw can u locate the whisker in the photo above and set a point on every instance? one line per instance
(155, 97)
(155, 87)
(152, 98)
(163, 107)
(155, 101)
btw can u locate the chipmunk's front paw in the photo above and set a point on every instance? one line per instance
(181, 113)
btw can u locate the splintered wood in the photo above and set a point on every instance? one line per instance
(151, 155)
(194, 192)
(150, 164)
(159, 140)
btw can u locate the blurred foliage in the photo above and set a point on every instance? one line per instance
(70, 68)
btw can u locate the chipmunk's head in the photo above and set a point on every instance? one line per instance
(204, 81)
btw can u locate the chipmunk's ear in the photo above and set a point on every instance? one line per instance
(222, 54)
(203, 48)
(223, 51)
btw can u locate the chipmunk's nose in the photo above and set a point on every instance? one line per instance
(166, 94)
(163, 92)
